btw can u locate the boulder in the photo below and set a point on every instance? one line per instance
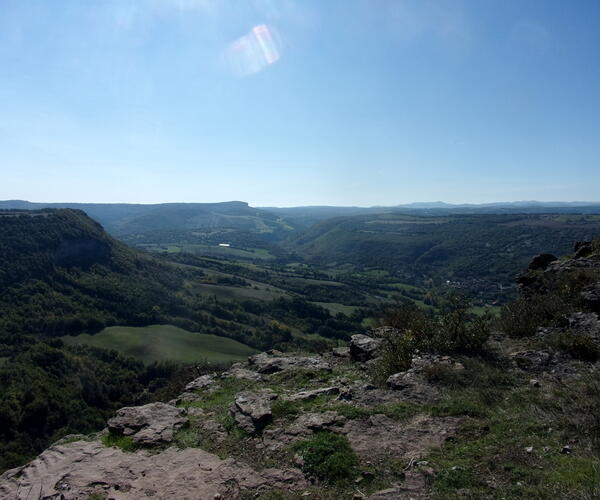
(590, 296)
(341, 352)
(266, 363)
(363, 347)
(151, 424)
(252, 410)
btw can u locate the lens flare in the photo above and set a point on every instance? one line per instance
(253, 52)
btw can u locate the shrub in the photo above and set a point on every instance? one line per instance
(328, 456)
(577, 346)
(522, 317)
(453, 331)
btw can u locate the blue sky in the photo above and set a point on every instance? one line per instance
(299, 102)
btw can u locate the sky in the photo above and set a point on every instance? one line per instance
(299, 102)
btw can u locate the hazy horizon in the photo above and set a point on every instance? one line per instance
(299, 103)
(373, 205)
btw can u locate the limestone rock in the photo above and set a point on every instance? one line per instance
(82, 469)
(341, 352)
(265, 363)
(311, 394)
(363, 347)
(317, 421)
(252, 410)
(413, 387)
(154, 423)
(239, 372)
(203, 382)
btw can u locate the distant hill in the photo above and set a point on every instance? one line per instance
(309, 215)
(464, 247)
(128, 219)
(60, 273)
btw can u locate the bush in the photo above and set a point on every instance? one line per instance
(577, 346)
(328, 456)
(453, 331)
(522, 317)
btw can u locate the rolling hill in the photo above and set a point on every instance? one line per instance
(473, 251)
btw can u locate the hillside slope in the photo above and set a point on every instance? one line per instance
(61, 273)
(444, 247)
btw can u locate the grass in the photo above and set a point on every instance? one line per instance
(328, 456)
(506, 416)
(335, 308)
(165, 342)
(125, 443)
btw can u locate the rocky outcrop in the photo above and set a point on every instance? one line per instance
(267, 363)
(414, 384)
(363, 347)
(314, 393)
(252, 411)
(83, 469)
(239, 372)
(150, 424)
(203, 382)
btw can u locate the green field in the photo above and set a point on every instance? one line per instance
(165, 342)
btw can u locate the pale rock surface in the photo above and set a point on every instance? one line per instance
(363, 348)
(311, 394)
(252, 410)
(154, 423)
(78, 470)
(266, 363)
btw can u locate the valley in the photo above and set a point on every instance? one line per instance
(139, 306)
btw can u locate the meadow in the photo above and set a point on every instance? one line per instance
(165, 343)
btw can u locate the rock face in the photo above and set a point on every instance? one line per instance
(79, 470)
(266, 363)
(363, 348)
(150, 424)
(252, 411)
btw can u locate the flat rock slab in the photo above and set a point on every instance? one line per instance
(154, 423)
(380, 436)
(266, 363)
(78, 470)
(312, 394)
(413, 387)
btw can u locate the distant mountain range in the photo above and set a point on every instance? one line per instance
(128, 219)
